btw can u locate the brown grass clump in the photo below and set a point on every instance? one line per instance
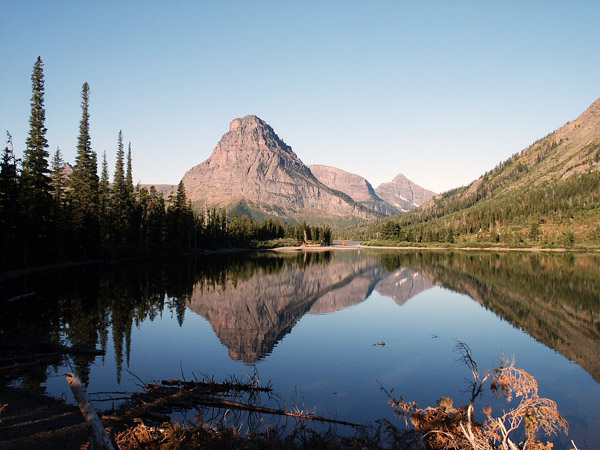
(201, 435)
(445, 427)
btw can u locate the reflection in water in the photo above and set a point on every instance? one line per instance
(555, 298)
(253, 300)
(251, 315)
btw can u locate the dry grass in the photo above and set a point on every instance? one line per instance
(447, 428)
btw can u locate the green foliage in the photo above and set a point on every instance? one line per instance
(34, 194)
(82, 197)
(554, 213)
(35, 179)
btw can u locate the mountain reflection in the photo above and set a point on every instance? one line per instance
(555, 298)
(253, 300)
(251, 315)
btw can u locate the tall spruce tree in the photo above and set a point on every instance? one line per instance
(58, 180)
(129, 175)
(35, 178)
(120, 208)
(119, 181)
(104, 205)
(35, 181)
(83, 196)
(104, 184)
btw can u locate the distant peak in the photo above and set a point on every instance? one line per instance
(251, 121)
(399, 177)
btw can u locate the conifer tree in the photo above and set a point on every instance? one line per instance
(104, 184)
(9, 189)
(83, 196)
(35, 173)
(57, 189)
(104, 203)
(57, 181)
(119, 181)
(128, 174)
(121, 203)
(35, 181)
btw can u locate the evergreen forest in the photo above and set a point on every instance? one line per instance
(520, 203)
(51, 211)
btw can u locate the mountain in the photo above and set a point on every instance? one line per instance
(251, 169)
(548, 194)
(354, 185)
(403, 194)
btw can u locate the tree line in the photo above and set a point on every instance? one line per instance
(556, 212)
(49, 212)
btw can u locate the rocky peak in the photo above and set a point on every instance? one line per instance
(354, 185)
(252, 132)
(251, 165)
(403, 193)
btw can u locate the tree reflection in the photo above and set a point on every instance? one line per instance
(552, 297)
(253, 300)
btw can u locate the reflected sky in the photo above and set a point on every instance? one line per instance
(310, 328)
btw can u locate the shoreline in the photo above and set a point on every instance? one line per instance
(15, 273)
(377, 247)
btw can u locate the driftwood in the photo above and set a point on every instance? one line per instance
(100, 437)
(159, 400)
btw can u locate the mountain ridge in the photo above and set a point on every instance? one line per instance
(252, 170)
(547, 194)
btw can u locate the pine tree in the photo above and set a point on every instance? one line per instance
(35, 181)
(155, 219)
(119, 186)
(9, 190)
(83, 196)
(121, 198)
(59, 214)
(129, 175)
(180, 220)
(104, 204)
(35, 174)
(104, 184)
(57, 183)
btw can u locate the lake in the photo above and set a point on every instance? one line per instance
(313, 324)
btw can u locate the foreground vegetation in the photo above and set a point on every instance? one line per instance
(546, 196)
(524, 418)
(51, 212)
(230, 414)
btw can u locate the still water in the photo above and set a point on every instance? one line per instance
(312, 325)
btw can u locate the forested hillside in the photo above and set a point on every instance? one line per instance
(549, 194)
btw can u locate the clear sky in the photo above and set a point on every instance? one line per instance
(440, 91)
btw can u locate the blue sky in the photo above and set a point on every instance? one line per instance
(439, 91)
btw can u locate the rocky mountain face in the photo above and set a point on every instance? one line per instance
(354, 185)
(253, 169)
(403, 194)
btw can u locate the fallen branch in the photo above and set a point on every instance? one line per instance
(89, 413)
(176, 395)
